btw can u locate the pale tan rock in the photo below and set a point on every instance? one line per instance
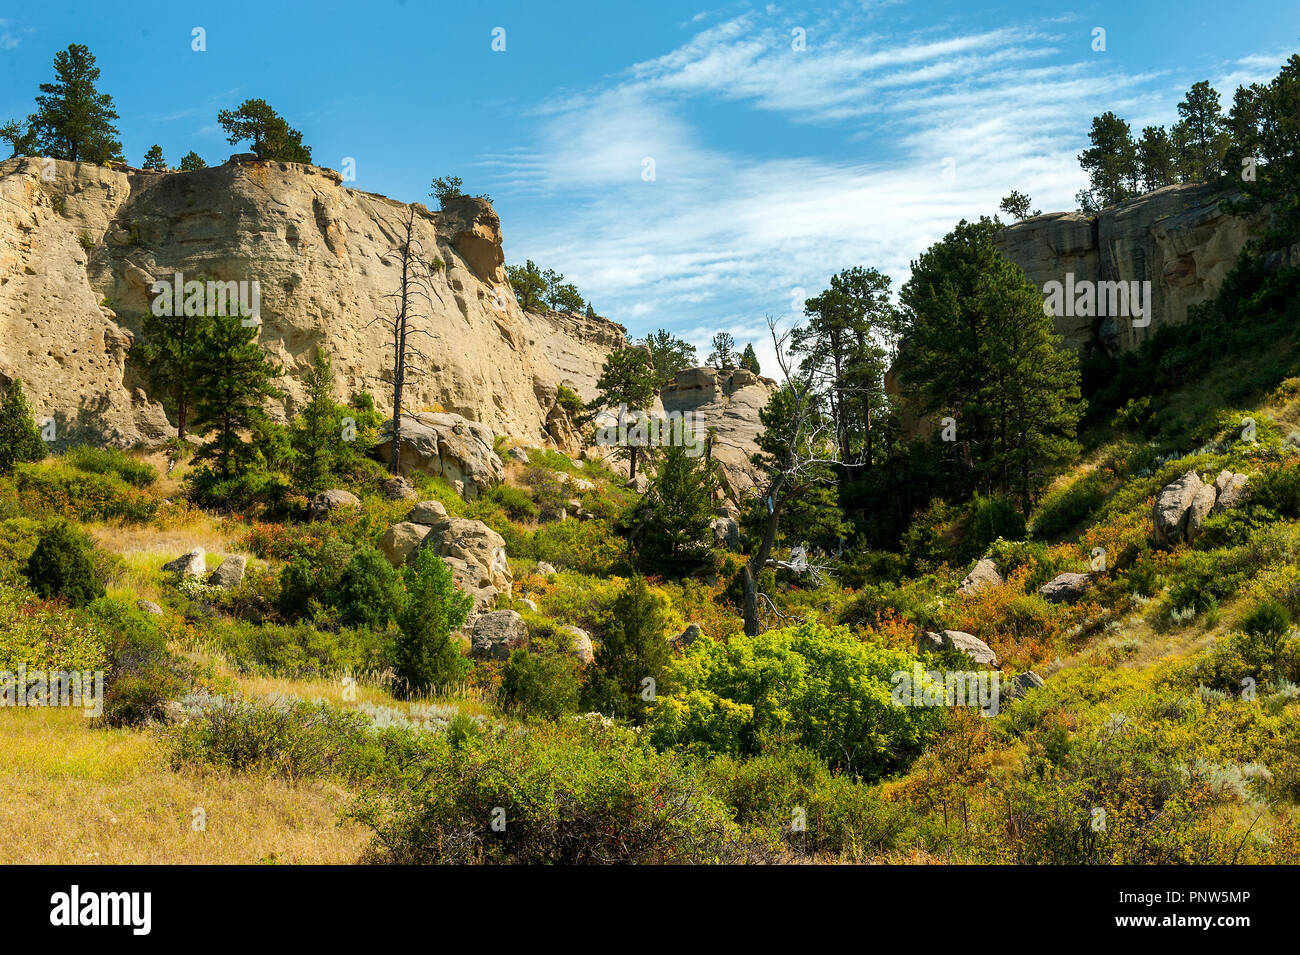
(449, 446)
(400, 540)
(728, 402)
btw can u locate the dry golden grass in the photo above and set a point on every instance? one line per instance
(72, 794)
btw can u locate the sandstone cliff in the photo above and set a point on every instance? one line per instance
(1177, 238)
(80, 247)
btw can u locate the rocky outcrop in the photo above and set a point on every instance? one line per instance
(327, 502)
(476, 555)
(400, 540)
(81, 249)
(1065, 588)
(1177, 238)
(448, 446)
(231, 572)
(729, 403)
(1181, 507)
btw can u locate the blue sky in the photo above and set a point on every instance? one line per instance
(773, 167)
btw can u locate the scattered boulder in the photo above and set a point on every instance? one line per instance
(148, 606)
(582, 648)
(428, 512)
(475, 553)
(1023, 683)
(1182, 507)
(496, 633)
(530, 604)
(689, 635)
(972, 646)
(983, 574)
(326, 502)
(398, 488)
(726, 532)
(518, 454)
(1065, 588)
(188, 565)
(231, 572)
(640, 484)
(446, 445)
(1231, 489)
(401, 539)
(545, 569)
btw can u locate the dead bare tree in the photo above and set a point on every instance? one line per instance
(807, 455)
(415, 291)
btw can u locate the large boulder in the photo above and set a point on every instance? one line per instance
(188, 565)
(972, 646)
(428, 512)
(1199, 510)
(400, 540)
(1169, 515)
(582, 648)
(496, 633)
(726, 532)
(231, 572)
(983, 574)
(476, 545)
(1065, 588)
(398, 488)
(446, 445)
(327, 502)
(1231, 490)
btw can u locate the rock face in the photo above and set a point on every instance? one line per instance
(1177, 238)
(446, 445)
(972, 646)
(68, 315)
(188, 565)
(1181, 507)
(728, 402)
(401, 539)
(726, 532)
(495, 634)
(983, 574)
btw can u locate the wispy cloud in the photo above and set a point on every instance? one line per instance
(12, 33)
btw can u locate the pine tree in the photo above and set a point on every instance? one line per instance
(20, 438)
(270, 134)
(192, 160)
(234, 379)
(723, 356)
(978, 348)
(529, 285)
(669, 354)
(673, 540)
(627, 385)
(1205, 136)
(153, 159)
(1156, 160)
(73, 120)
(424, 656)
(1111, 163)
(1017, 206)
(633, 651)
(317, 431)
(170, 353)
(749, 360)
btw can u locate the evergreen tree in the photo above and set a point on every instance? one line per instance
(1266, 126)
(1111, 163)
(191, 161)
(749, 360)
(669, 354)
(1156, 160)
(20, 137)
(1205, 136)
(1017, 206)
(73, 120)
(674, 537)
(978, 348)
(62, 565)
(169, 352)
(633, 651)
(233, 381)
(270, 134)
(153, 159)
(628, 386)
(528, 284)
(424, 656)
(20, 438)
(723, 356)
(317, 431)
(444, 188)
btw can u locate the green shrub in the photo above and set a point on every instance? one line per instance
(990, 518)
(143, 675)
(368, 591)
(811, 686)
(1278, 490)
(93, 460)
(1066, 508)
(514, 501)
(42, 636)
(64, 491)
(557, 795)
(62, 565)
(634, 650)
(542, 685)
(588, 547)
(300, 651)
(424, 656)
(1267, 619)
